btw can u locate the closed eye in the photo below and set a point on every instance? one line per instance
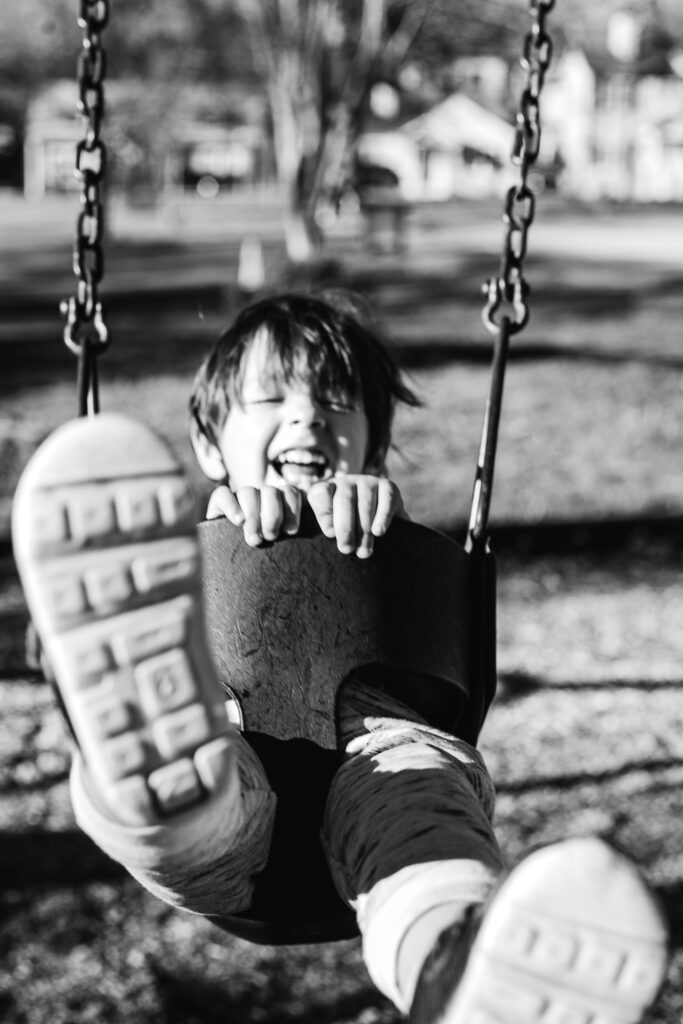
(265, 400)
(338, 404)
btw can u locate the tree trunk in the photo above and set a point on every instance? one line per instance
(293, 165)
(299, 241)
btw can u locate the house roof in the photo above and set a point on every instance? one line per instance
(459, 121)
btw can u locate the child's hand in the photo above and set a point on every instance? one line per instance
(352, 509)
(355, 509)
(263, 513)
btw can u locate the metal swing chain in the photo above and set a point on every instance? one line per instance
(85, 332)
(510, 285)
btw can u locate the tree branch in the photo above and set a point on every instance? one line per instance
(406, 32)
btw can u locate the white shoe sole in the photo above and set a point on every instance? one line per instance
(573, 936)
(104, 540)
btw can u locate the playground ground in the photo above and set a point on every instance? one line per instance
(585, 735)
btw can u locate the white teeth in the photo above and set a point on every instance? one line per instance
(302, 467)
(302, 457)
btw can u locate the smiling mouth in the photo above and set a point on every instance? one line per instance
(302, 467)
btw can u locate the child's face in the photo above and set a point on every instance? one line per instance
(281, 432)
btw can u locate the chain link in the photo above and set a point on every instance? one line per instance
(85, 326)
(520, 204)
(510, 286)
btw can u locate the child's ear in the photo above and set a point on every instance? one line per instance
(207, 454)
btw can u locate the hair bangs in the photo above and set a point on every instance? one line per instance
(322, 357)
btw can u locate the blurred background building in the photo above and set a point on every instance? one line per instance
(209, 148)
(612, 115)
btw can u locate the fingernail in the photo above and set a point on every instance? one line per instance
(253, 538)
(367, 546)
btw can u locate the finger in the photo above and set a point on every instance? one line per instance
(320, 498)
(224, 503)
(291, 509)
(344, 514)
(366, 501)
(388, 503)
(250, 503)
(366, 546)
(271, 512)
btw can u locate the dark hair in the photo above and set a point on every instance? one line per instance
(334, 337)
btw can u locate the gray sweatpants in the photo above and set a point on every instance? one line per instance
(407, 833)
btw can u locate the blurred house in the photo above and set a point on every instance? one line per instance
(220, 142)
(51, 134)
(211, 158)
(188, 140)
(458, 146)
(464, 148)
(612, 128)
(618, 135)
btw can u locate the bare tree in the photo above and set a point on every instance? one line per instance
(317, 60)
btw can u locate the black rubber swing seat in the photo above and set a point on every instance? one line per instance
(287, 624)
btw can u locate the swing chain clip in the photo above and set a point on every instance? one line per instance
(80, 330)
(515, 292)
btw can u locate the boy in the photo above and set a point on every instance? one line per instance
(294, 406)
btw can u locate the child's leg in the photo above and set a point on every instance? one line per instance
(574, 933)
(203, 859)
(408, 833)
(104, 538)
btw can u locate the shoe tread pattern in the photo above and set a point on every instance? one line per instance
(541, 970)
(115, 575)
(97, 510)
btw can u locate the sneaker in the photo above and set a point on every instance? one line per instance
(573, 936)
(103, 529)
